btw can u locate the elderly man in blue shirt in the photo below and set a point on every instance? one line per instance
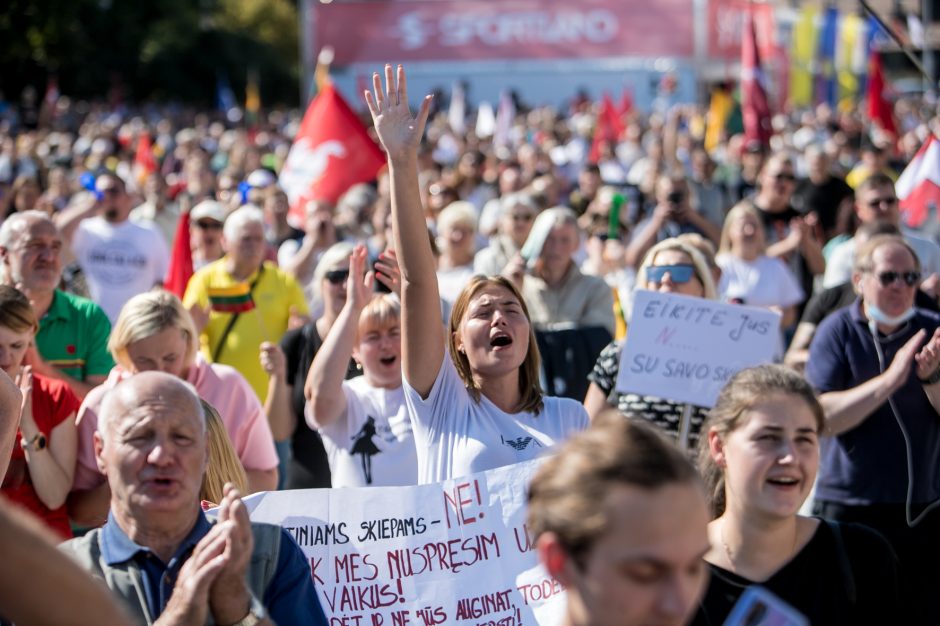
(157, 551)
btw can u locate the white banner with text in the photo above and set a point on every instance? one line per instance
(456, 552)
(685, 349)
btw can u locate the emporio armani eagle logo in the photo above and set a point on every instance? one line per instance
(520, 443)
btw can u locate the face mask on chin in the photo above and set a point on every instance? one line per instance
(880, 317)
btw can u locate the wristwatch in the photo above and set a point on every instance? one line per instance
(932, 379)
(35, 443)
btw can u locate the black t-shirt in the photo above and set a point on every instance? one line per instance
(309, 468)
(846, 574)
(822, 199)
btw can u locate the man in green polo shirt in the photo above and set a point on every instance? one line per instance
(72, 342)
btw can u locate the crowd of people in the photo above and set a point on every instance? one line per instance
(466, 311)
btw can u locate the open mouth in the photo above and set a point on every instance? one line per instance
(500, 341)
(387, 360)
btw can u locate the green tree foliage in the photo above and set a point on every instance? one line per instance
(170, 49)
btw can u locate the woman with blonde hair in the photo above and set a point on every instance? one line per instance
(671, 266)
(364, 421)
(748, 275)
(223, 465)
(759, 459)
(481, 406)
(39, 475)
(155, 332)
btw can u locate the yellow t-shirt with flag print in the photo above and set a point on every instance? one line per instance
(275, 296)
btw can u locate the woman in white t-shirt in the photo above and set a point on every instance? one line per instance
(748, 275)
(481, 408)
(363, 421)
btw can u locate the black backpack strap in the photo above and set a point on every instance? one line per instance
(217, 352)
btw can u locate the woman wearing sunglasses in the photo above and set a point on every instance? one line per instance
(671, 266)
(363, 422)
(748, 275)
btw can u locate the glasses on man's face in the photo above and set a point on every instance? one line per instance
(877, 202)
(521, 217)
(784, 177)
(677, 273)
(336, 277)
(208, 225)
(109, 191)
(889, 278)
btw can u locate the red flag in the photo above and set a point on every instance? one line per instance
(331, 152)
(145, 163)
(918, 187)
(609, 128)
(754, 107)
(880, 110)
(181, 259)
(626, 103)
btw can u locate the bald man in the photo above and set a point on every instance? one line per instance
(152, 445)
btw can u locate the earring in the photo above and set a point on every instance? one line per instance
(358, 366)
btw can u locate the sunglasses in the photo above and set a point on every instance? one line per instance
(337, 277)
(889, 278)
(879, 201)
(111, 191)
(677, 273)
(211, 225)
(784, 177)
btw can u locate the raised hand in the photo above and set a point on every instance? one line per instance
(359, 284)
(398, 131)
(387, 271)
(273, 360)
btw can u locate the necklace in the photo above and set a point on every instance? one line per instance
(730, 557)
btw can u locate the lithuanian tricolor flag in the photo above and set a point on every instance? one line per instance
(232, 299)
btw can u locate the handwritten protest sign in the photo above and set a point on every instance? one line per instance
(685, 349)
(456, 552)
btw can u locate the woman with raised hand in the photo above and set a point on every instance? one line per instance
(480, 407)
(363, 421)
(759, 461)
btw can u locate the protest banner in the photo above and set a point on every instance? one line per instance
(456, 552)
(685, 349)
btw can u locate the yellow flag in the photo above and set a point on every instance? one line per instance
(849, 32)
(718, 112)
(803, 56)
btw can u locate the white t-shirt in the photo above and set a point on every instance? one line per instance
(119, 260)
(765, 281)
(456, 436)
(372, 444)
(839, 265)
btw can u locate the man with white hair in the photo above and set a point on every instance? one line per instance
(71, 344)
(158, 552)
(234, 338)
(120, 259)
